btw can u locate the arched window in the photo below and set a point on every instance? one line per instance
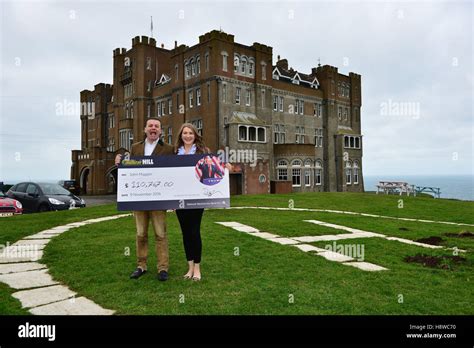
(198, 65)
(251, 66)
(282, 170)
(318, 173)
(236, 62)
(296, 173)
(348, 172)
(193, 67)
(355, 171)
(243, 65)
(188, 69)
(307, 172)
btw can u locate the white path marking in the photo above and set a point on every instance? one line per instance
(328, 255)
(355, 213)
(44, 296)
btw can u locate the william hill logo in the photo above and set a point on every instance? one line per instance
(142, 162)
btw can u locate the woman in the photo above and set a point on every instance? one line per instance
(189, 142)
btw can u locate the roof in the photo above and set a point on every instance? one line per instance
(245, 118)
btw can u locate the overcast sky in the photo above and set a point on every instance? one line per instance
(415, 59)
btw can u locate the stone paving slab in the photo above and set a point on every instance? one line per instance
(25, 280)
(284, 241)
(40, 236)
(20, 267)
(408, 241)
(42, 296)
(265, 235)
(308, 247)
(246, 229)
(32, 242)
(365, 266)
(327, 237)
(27, 257)
(333, 256)
(80, 306)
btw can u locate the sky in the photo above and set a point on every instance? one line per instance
(415, 59)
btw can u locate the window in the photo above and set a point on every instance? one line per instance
(188, 69)
(224, 93)
(263, 98)
(315, 110)
(111, 120)
(177, 102)
(251, 68)
(158, 109)
(126, 138)
(224, 61)
(243, 133)
(318, 137)
(280, 103)
(307, 173)
(339, 113)
(296, 173)
(264, 71)
(148, 63)
(236, 63)
(170, 135)
(170, 106)
(300, 132)
(198, 96)
(247, 97)
(318, 173)
(148, 110)
(275, 103)
(237, 95)
(301, 107)
(252, 133)
(279, 134)
(348, 172)
(198, 65)
(352, 142)
(148, 86)
(282, 170)
(206, 61)
(190, 97)
(193, 67)
(297, 105)
(356, 172)
(243, 65)
(346, 113)
(198, 125)
(176, 71)
(208, 92)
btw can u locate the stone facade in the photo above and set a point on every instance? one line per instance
(284, 130)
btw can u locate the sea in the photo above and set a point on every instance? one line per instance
(451, 186)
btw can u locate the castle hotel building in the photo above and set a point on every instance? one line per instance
(305, 128)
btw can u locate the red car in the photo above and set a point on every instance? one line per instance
(8, 206)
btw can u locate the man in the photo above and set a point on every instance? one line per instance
(210, 170)
(151, 146)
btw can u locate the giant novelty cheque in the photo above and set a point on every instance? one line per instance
(172, 182)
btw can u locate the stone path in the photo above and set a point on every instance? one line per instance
(38, 291)
(299, 242)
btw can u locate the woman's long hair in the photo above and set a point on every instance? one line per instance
(200, 147)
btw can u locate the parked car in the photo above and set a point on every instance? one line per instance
(70, 185)
(44, 197)
(8, 206)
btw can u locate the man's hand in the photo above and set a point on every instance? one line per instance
(118, 158)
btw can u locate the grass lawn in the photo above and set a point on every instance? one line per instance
(243, 274)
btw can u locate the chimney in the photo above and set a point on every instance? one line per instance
(282, 63)
(175, 43)
(162, 45)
